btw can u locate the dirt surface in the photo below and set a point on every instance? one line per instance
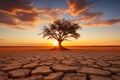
(77, 64)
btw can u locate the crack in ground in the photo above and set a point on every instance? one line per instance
(88, 77)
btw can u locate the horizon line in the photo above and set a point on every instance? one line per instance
(67, 46)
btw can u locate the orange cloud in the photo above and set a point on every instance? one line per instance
(16, 13)
(7, 19)
(76, 7)
(16, 21)
(103, 23)
(81, 10)
(51, 13)
(90, 16)
(21, 14)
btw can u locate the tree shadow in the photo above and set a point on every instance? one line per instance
(57, 48)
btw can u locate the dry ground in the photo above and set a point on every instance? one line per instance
(83, 64)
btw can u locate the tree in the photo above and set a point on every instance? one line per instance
(61, 30)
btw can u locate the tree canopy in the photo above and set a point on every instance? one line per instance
(61, 30)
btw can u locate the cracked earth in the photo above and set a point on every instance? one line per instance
(60, 65)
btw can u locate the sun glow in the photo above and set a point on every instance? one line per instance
(55, 43)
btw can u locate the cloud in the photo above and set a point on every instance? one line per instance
(21, 14)
(1, 39)
(17, 13)
(17, 22)
(76, 7)
(12, 6)
(7, 19)
(82, 11)
(52, 13)
(90, 16)
(103, 23)
(27, 17)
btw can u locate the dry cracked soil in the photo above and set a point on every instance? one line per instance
(60, 65)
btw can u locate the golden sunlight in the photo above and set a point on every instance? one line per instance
(55, 43)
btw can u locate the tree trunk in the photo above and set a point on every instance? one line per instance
(59, 45)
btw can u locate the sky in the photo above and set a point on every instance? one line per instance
(22, 20)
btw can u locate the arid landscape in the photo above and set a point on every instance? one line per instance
(82, 63)
(59, 40)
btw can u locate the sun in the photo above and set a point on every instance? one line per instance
(55, 43)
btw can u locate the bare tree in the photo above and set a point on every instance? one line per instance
(61, 30)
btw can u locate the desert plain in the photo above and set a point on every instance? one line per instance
(37, 63)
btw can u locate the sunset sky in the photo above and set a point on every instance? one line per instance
(22, 20)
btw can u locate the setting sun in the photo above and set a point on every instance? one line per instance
(55, 43)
